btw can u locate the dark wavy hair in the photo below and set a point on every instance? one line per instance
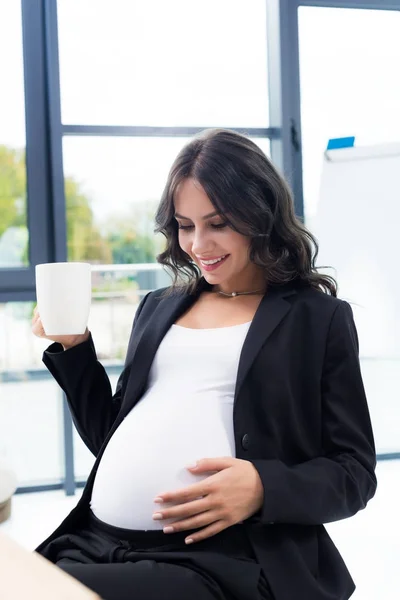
(245, 187)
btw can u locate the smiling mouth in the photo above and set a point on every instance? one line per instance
(213, 264)
(213, 261)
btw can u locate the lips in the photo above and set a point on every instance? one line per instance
(210, 261)
(214, 266)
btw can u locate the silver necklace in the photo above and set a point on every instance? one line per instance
(233, 294)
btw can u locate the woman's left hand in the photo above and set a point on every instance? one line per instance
(232, 494)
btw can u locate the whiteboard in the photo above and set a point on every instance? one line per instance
(357, 225)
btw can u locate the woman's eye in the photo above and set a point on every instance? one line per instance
(219, 225)
(213, 226)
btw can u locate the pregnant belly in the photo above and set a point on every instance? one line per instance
(136, 467)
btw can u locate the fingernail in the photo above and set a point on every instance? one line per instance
(158, 500)
(189, 541)
(157, 516)
(192, 466)
(168, 529)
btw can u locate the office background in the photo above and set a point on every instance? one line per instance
(97, 98)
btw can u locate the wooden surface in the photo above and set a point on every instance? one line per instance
(5, 510)
(26, 575)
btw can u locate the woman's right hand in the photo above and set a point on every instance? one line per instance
(67, 341)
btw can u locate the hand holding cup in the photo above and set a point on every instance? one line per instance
(67, 341)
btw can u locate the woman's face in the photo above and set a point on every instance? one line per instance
(206, 237)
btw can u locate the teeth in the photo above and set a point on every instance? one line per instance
(212, 262)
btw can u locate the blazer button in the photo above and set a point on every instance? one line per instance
(246, 441)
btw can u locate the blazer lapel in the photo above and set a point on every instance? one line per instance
(166, 313)
(271, 310)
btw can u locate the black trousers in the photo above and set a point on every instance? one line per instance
(121, 564)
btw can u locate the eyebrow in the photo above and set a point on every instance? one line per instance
(213, 214)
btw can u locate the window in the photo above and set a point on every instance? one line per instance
(143, 62)
(348, 83)
(349, 88)
(14, 250)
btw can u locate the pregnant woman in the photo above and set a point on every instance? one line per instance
(239, 425)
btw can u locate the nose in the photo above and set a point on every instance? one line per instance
(201, 243)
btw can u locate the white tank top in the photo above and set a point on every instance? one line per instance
(185, 414)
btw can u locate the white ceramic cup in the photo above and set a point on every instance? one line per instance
(63, 292)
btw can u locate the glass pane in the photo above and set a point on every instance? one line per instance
(164, 63)
(13, 216)
(31, 434)
(348, 88)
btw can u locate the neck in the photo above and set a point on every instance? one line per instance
(255, 287)
(250, 280)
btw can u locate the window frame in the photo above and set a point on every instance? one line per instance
(18, 283)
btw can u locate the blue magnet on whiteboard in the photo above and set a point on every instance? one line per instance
(345, 142)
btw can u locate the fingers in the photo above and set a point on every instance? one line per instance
(212, 465)
(37, 327)
(209, 531)
(201, 520)
(36, 315)
(182, 510)
(189, 493)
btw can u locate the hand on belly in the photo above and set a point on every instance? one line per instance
(231, 492)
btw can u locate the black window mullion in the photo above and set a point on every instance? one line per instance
(59, 221)
(150, 131)
(361, 4)
(37, 146)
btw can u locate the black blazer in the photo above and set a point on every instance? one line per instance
(300, 416)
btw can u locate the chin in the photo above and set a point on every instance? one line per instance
(215, 279)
